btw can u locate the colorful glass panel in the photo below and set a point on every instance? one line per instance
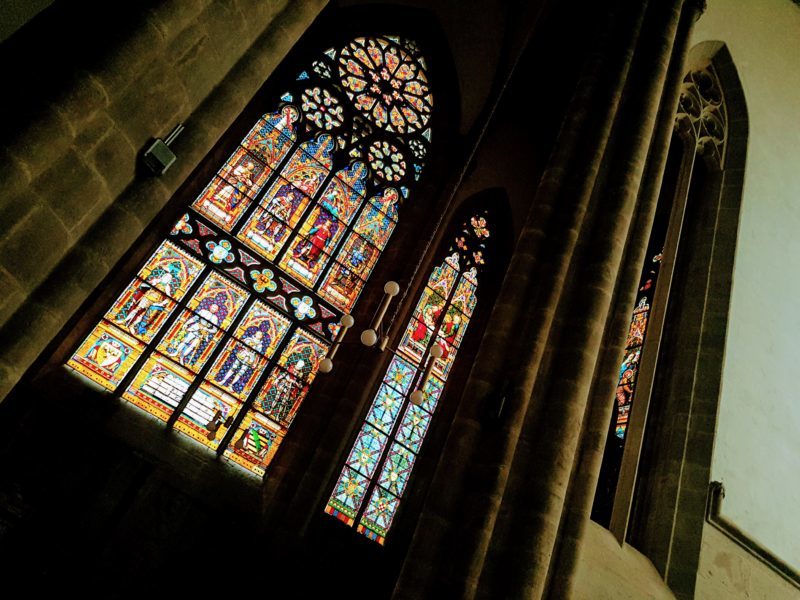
(159, 386)
(171, 270)
(208, 415)
(237, 367)
(348, 495)
(244, 317)
(106, 355)
(273, 136)
(378, 515)
(281, 395)
(375, 225)
(387, 445)
(367, 450)
(262, 328)
(302, 355)
(385, 408)
(192, 338)
(218, 299)
(141, 310)
(413, 427)
(397, 469)
(256, 442)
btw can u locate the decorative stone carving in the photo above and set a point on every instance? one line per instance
(702, 115)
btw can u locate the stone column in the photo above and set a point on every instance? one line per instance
(599, 414)
(455, 528)
(523, 543)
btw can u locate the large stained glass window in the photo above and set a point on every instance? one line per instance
(376, 472)
(221, 331)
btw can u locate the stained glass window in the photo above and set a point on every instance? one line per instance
(373, 480)
(221, 331)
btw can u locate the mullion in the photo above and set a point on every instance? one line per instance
(373, 482)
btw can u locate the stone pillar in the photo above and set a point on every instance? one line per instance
(455, 528)
(599, 414)
(524, 540)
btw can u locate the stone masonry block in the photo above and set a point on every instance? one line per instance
(113, 233)
(146, 198)
(151, 107)
(28, 331)
(94, 131)
(34, 246)
(81, 99)
(115, 161)
(43, 142)
(12, 296)
(122, 66)
(71, 188)
(171, 18)
(14, 175)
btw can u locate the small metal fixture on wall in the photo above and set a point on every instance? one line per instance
(158, 157)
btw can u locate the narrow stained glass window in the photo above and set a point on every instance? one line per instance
(220, 333)
(374, 478)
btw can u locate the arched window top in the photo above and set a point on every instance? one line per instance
(221, 331)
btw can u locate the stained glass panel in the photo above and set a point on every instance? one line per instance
(342, 285)
(302, 355)
(413, 427)
(385, 408)
(262, 328)
(171, 270)
(159, 386)
(273, 136)
(375, 225)
(141, 310)
(367, 450)
(397, 469)
(281, 395)
(208, 415)
(348, 494)
(218, 299)
(192, 338)
(256, 441)
(378, 515)
(106, 355)
(237, 368)
(400, 375)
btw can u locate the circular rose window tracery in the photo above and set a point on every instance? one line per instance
(386, 84)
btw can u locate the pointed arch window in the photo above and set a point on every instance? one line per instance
(220, 332)
(375, 475)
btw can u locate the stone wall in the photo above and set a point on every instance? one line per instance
(72, 200)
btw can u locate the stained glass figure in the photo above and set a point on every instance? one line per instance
(381, 460)
(141, 310)
(193, 337)
(220, 333)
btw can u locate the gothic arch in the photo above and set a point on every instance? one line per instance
(671, 471)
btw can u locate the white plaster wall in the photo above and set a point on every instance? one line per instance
(757, 449)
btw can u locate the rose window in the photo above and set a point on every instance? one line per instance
(322, 108)
(386, 84)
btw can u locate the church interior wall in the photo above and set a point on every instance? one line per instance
(756, 447)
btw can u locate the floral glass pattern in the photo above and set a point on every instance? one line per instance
(221, 331)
